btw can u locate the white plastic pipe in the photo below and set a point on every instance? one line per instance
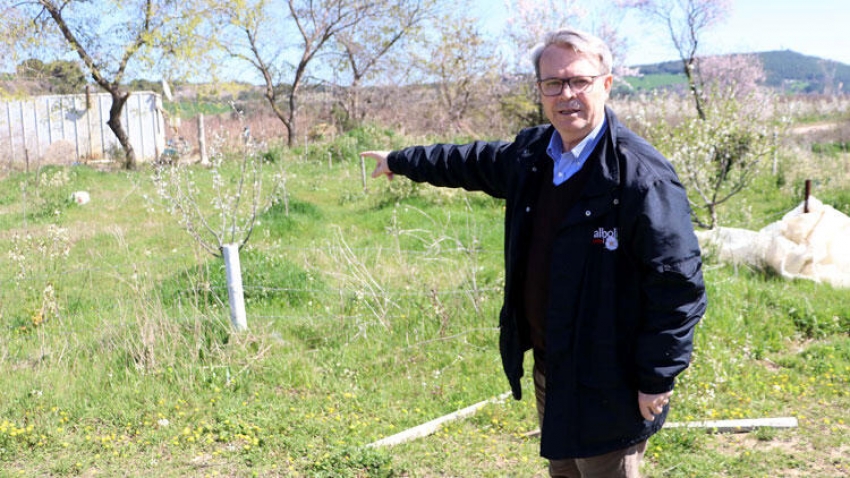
(235, 292)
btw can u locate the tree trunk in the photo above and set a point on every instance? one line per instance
(355, 116)
(283, 119)
(696, 93)
(119, 99)
(293, 116)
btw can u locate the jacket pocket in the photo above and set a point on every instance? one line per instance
(609, 418)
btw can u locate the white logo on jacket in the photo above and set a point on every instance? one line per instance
(606, 238)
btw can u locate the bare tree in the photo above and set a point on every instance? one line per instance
(828, 68)
(14, 32)
(685, 21)
(529, 20)
(461, 63)
(264, 33)
(739, 76)
(365, 46)
(110, 37)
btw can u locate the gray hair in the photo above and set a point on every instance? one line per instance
(579, 41)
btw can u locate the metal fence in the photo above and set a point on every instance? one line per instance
(72, 128)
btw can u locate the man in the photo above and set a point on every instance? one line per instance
(603, 276)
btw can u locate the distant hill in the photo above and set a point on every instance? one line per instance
(786, 70)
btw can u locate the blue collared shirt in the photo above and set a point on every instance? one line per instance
(567, 163)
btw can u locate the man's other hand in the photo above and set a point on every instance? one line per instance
(652, 404)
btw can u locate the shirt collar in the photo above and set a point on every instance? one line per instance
(555, 150)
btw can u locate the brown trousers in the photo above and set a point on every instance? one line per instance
(623, 463)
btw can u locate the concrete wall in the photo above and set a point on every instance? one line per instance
(72, 128)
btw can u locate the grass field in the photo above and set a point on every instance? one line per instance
(369, 312)
(652, 82)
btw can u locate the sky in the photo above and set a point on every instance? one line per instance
(819, 28)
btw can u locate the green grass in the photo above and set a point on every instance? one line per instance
(652, 82)
(369, 313)
(833, 149)
(187, 109)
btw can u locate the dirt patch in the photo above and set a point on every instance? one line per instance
(786, 444)
(60, 152)
(809, 460)
(814, 128)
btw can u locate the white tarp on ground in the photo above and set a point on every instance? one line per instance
(813, 245)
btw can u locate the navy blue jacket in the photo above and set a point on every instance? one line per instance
(626, 285)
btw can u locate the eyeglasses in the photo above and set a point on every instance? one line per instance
(577, 84)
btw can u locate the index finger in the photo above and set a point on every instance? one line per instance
(379, 155)
(381, 166)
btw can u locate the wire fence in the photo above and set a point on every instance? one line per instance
(85, 299)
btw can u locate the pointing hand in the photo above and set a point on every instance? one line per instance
(381, 167)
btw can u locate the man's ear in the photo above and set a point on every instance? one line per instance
(609, 82)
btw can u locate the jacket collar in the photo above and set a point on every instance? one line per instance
(607, 174)
(605, 159)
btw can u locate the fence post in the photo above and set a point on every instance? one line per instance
(807, 194)
(235, 293)
(363, 174)
(775, 155)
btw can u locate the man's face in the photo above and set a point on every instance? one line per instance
(574, 115)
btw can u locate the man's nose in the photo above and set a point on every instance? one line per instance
(567, 91)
